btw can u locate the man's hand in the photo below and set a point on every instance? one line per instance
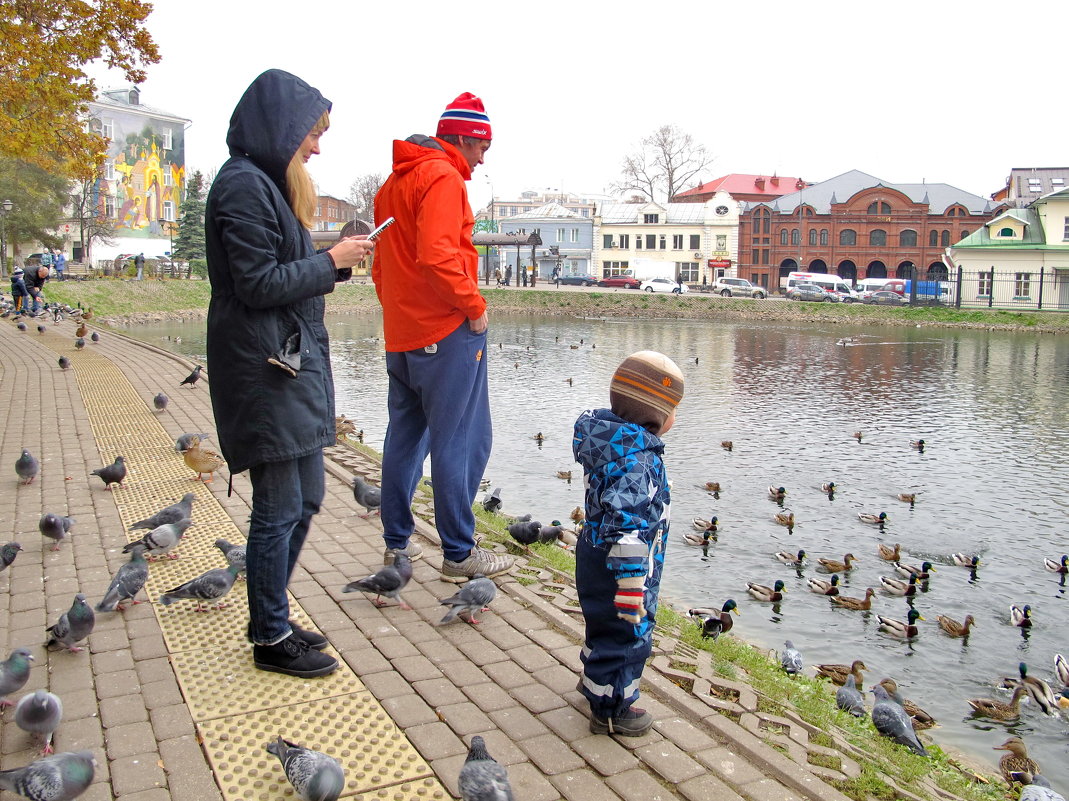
(351, 251)
(479, 324)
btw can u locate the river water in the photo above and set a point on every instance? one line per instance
(992, 409)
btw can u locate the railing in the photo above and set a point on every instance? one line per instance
(1045, 290)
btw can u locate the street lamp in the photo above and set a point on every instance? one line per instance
(5, 209)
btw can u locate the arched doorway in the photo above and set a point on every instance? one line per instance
(937, 271)
(876, 269)
(847, 269)
(818, 266)
(905, 270)
(785, 267)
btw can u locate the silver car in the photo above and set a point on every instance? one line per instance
(812, 292)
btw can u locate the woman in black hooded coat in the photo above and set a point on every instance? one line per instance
(268, 356)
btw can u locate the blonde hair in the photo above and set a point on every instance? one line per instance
(299, 186)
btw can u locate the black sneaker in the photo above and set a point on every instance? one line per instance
(294, 658)
(313, 639)
(634, 722)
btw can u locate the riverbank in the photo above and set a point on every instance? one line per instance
(131, 302)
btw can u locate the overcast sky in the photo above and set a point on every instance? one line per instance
(948, 92)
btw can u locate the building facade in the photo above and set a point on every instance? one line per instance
(566, 240)
(741, 186)
(1025, 185)
(499, 209)
(332, 213)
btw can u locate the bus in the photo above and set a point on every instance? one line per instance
(829, 283)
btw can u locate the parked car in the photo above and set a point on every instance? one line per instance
(886, 297)
(662, 285)
(578, 280)
(737, 287)
(812, 292)
(625, 281)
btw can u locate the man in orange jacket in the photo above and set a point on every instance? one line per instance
(434, 319)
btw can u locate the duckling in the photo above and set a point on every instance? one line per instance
(785, 518)
(777, 493)
(856, 604)
(715, 623)
(999, 710)
(917, 444)
(869, 517)
(832, 566)
(857, 435)
(727, 445)
(822, 587)
(954, 628)
(966, 560)
(1016, 761)
(920, 719)
(828, 487)
(1058, 567)
(712, 486)
(701, 524)
(923, 573)
(895, 586)
(202, 460)
(889, 554)
(539, 437)
(1061, 669)
(762, 593)
(901, 628)
(838, 673)
(788, 558)
(1021, 616)
(700, 539)
(565, 474)
(908, 497)
(578, 515)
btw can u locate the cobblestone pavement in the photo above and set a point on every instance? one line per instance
(168, 699)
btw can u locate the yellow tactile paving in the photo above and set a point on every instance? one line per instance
(236, 708)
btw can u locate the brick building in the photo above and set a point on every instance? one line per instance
(752, 188)
(332, 213)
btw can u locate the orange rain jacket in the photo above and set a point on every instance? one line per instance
(426, 268)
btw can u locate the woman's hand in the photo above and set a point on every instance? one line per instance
(351, 251)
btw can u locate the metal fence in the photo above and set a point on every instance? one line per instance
(1046, 290)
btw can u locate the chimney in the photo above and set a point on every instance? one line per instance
(135, 97)
(799, 184)
(775, 179)
(759, 182)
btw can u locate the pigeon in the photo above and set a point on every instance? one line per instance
(184, 442)
(791, 659)
(389, 581)
(367, 495)
(21, 326)
(183, 510)
(114, 473)
(79, 343)
(493, 503)
(95, 336)
(55, 527)
(128, 581)
(474, 597)
(892, 721)
(60, 777)
(160, 402)
(1036, 788)
(162, 539)
(73, 625)
(14, 673)
(27, 466)
(192, 378)
(235, 554)
(41, 329)
(849, 699)
(210, 586)
(315, 776)
(8, 552)
(64, 362)
(40, 713)
(482, 778)
(526, 532)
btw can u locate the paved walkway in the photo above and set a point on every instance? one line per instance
(168, 698)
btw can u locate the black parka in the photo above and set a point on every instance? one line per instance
(267, 284)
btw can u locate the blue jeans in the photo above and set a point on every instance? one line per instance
(285, 496)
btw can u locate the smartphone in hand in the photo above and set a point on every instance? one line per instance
(385, 224)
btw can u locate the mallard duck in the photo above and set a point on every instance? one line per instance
(999, 710)
(202, 460)
(727, 445)
(923, 573)
(701, 524)
(1038, 690)
(1061, 669)
(578, 515)
(715, 623)
(762, 593)
(565, 474)
(966, 560)
(712, 486)
(700, 539)
(901, 628)
(857, 604)
(838, 673)
(1021, 616)
(539, 437)
(828, 487)
(858, 435)
(917, 444)
(776, 493)
(954, 628)
(785, 518)
(869, 517)
(343, 426)
(1017, 760)
(1058, 567)
(822, 587)
(888, 553)
(908, 497)
(832, 566)
(81, 330)
(788, 558)
(921, 720)
(895, 586)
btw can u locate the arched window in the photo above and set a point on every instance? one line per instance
(812, 236)
(907, 239)
(1005, 232)
(964, 233)
(944, 240)
(879, 207)
(796, 236)
(823, 236)
(783, 236)
(848, 236)
(874, 207)
(885, 208)
(878, 238)
(933, 239)
(937, 271)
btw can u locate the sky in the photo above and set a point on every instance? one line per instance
(943, 92)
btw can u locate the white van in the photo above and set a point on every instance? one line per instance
(867, 286)
(829, 283)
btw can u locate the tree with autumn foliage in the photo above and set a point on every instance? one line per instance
(44, 90)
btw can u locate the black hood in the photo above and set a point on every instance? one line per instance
(271, 120)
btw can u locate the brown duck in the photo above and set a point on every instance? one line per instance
(857, 604)
(920, 718)
(838, 673)
(1017, 760)
(999, 710)
(81, 330)
(888, 553)
(202, 460)
(954, 628)
(833, 566)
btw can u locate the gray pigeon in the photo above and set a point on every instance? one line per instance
(162, 539)
(191, 379)
(114, 473)
(40, 713)
(493, 503)
(73, 626)
(183, 443)
(526, 532)
(79, 343)
(791, 659)
(14, 673)
(368, 496)
(64, 362)
(21, 326)
(1037, 788)
(55, 527)
(60, 777)
(27, 466)
(128, 581)
(474, 597)
(849, 699)
(482, 778)
(95, 336)
(314, 775)
(387, 582)
(8, 552)
(183, 510)
(235, 554)
(210, 586)
(160, 402)
(892, 721)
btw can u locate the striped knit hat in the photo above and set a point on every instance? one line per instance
(645, 389)
(465, 116)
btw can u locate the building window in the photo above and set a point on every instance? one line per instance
(168, 210)
(696, 239)
(755, 256)
(944, 239)
(1065, 231)
(964, 233)
(796, 236)
(168, 141)
(721, 243)
(848, 236)
(879, 207)
(1006, 232)
(107, 128)
(606, 241)
(677, 241)
(664, 242)
(638, 241)
(783, 236)
(907, 239)
(319, 211)
(109, 171)
(625, 241)
(878, 238)
(812, 236)
(575, 235)
(823, 236)
(584, 212)
(764, 255)
(168, 177)
(109, 207)
(688, 271)
(613, 268)
(986, 279)
(651, 241)
(651, 218)
(1022, 283)
(933, 239)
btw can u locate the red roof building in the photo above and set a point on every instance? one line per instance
(752, 188)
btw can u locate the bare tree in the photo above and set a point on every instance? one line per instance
(89, 213)
(666, 162)
(362, 195)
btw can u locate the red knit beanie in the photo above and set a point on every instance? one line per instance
(465, 116)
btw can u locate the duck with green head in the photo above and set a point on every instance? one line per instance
(771, 594)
